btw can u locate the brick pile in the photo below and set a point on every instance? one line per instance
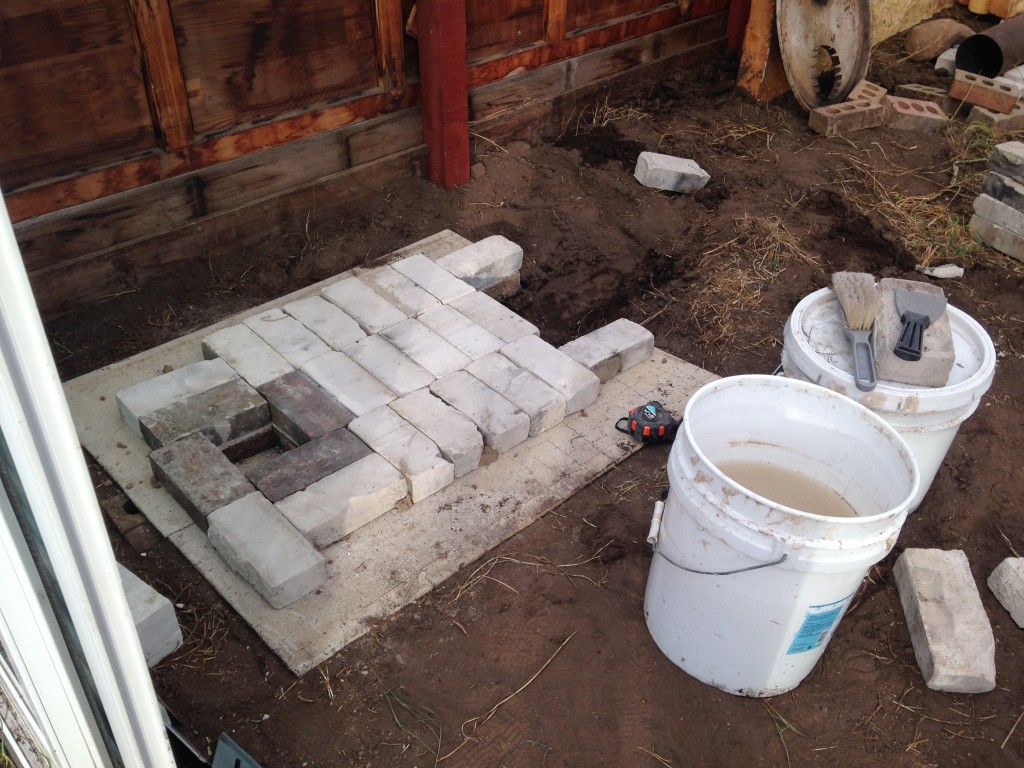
(999, 211)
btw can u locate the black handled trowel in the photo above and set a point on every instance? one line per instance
(917, 310)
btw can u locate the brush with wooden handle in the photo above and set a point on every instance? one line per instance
(858, 296)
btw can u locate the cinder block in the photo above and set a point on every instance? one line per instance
(399, 290)
(261, 546)
(198, 476)
(999, 123)
(348, 383)
(301, 409)
(326, 320)
(541, 402)
(670, 174)
(615, 347)
(1004, 189)
(1007, 584)
(408, 449)
(939, 96)
(1002, 239)
(247, 353)
(223, 413)
(1004, 215)
(472, 339)
(867, 91)
(993, 93)
(457, 437)
(392, 367)
(152, 394)
(297, 469)
(494, 317)
(501, 423)
(426, 348)
(1008, 159)
(845, 118)
(290, 339)
(432, 277)
(334, 507)
(952, 637)
(937, 353)
(363, 304)
(575, 383)
(486, 262)
(913, 115)
(155, 621)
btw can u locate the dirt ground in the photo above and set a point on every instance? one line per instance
(538, 654)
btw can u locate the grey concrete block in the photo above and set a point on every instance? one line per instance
(223, 413)
(615, 347)
(154, 617)
(399, 290)
(363, 304)
(541, 402)
(501, 423)
(950, 631)
(389, 365)
(432, 277)
(326, 320)
(494, 317)
(1002, 239)
(575, 383)
(1008, 159)
(1004, 215)
(1004, 189)
(261, 546)
(198, 476)
(288, 337)
(254, 359)
(302, 410)
(426, 348)
(471, 338)
(347, 382)
(457, 437)
(1001, 124)
(938, 354)
(1007, 584)
(668, 173)
(486, 262)
(297, 469)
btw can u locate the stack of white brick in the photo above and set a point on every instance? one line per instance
(999, 210)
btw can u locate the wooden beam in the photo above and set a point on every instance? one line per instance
(389, 40)
(168, 101)
(739, 14)
(554, 20)
(761, 73)
(444, 84)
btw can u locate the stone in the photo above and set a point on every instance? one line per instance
(432, 277)
(846, 118)
(926, 41)
(1008, 159)
(494, 317)
(254, 359)
(223, 413)
(866, 91)
(153, 614)
(472, 339)
(426, 348)
(670, 174)
(363, 304)
(915, 115)
(993, 93)
(302, 410)
(1000, 213)
(1004, 189)
(946, 61)
(288, 337)
(399, 290)
(486, 262)
(609, 349)
(937, 353)
(297, 469)
(260, 545)
(999, 123)
(348, 383)
(198, 476)
(575, 383)
(326, 320)
(457, 437)
(950, 631)
(408, 449)
(501, 423)
(334, 507)
(1007, 584)
(153, 394)
(1001, 239)
(392, 367)
(541, 402)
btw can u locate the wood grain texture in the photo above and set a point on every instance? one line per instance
(587, 13)
(389, 40)
(555, 13)
(493, 28)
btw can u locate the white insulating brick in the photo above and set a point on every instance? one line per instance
(456, 435)
(949, 628)
(332, 508)
(494, 316)
(1007, 584)
(946, 62)
(433, 278)
(363, 304)
(999, 213)
(502, 424)
(457, 329)
(347, 382)
(392, 367)
(262, 547)
(290, 339)
(541, 402)
(153, 614)
(668, 173)
(326, 320)
(575, 383)
(411, 452)
(147, 396)
(486, 262)
(615, 347)
(399, 290)
(1000, 238)
(254, 359)
(426, 348)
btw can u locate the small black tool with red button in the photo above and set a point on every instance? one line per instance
(650, 423)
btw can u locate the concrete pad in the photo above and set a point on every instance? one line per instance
(224, 413)
(426, 348)
(363, 304)
(541, 402)
(433, 278)
(501, 423)
(389, 365)
(575, 383)
(471, 338)
(326, 320)
(486, 262)
(1007, 584)
(254, 359)
(494, 316)
(347, 382)
(399, 290)
(289, 338)
(457, 437)
(154, 617)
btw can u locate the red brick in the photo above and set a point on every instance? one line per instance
(847, 117)
(867, 91)
(995, 94)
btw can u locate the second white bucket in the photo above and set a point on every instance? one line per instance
(744, 592)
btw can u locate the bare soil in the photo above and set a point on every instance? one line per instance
(461, 674)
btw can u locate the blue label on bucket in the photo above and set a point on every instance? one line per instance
(818, 623)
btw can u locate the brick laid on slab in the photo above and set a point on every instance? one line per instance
(289, 338)
(540, 401)
(949, 628)
(392, 367)
(153, 615)
(996, 94)
(334, 507)
(486, 262)
(432, 277)
(295, 470)
(1008, 159)
(457, 437)
(903, 114)
(326, 320)
(846, 117)
(670, 174)
(147, 396)
(471, 338)
(302, 410)
(1007, 584)
(347, 382)
(1004, 189)
(410, 451)
(426, 348)
(223, 413)
(1004, 215)
(494, 316)
(1002, 239)
(575, 383)
(363, 304)
(198, 476)
(611, 348)
(254, 359)
(501, 423)
(261, 546)
(399, 290)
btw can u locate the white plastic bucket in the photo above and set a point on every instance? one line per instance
(817, 349)
(744, 593)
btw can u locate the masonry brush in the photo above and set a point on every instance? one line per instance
(858, 296)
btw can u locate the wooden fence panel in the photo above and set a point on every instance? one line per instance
(588, 13)
(494, 28)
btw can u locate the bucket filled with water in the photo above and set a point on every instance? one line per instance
(782, 494)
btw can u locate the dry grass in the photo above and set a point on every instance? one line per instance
(203, 630)
(752, 140)
(602, 113)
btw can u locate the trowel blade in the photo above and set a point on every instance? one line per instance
(921, 303)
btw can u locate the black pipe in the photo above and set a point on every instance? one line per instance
(993, 51)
